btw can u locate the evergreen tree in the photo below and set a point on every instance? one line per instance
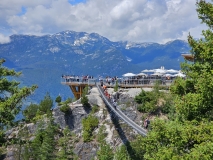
(84, 99)
(105, 152)
(65, 146)
(195, 94)
(122, 153)
(30, 112)
(175, 140)
(89, 124)
(189, 136)
(58, 99)
(46, 104)
(20, 142)
(43, 146)
(11, 99)
(11, 95)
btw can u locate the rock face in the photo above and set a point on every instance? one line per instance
(94, 98)
(124, 98)
(59, 117)
(86, 151)
(77, 112)
(32, 128)
(129, 112)
(127, 104)
(72, 118)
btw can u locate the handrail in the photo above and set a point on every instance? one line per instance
(121, 115)
(123, 82)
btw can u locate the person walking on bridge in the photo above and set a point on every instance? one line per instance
(114, 103)
(146, 123)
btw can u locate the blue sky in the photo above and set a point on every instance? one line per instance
(118, 20)
(74, 2)
(23, 11)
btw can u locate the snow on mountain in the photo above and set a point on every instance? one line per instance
(137, 45)
(43, 59)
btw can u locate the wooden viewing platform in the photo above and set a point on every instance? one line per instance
(188, 57)
(78, 87)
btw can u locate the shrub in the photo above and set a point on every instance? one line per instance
(142, 97)
(58, 99)
(84, 99)
(95, 109)
(116, 86)
(148, 101)
(101, 134)
(65, 108)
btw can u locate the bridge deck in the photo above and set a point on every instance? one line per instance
(121, 115)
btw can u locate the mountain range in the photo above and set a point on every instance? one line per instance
(43, 59)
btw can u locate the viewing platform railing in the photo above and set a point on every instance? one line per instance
(148, 82)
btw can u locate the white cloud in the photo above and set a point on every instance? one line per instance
(138, 20)
(4, 39)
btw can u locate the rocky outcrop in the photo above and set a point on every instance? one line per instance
(59, 117)
(94, 98)
(27, 128)
(72, 118)
(127, 104)
(77, 112)
(86, 151)
(129, 112)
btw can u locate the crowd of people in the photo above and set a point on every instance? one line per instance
(110, 98)
(124, 80)
(76, 78)
(108, 79)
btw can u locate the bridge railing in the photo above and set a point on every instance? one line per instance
(120, 114)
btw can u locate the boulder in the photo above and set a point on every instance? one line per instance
(94, 98)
